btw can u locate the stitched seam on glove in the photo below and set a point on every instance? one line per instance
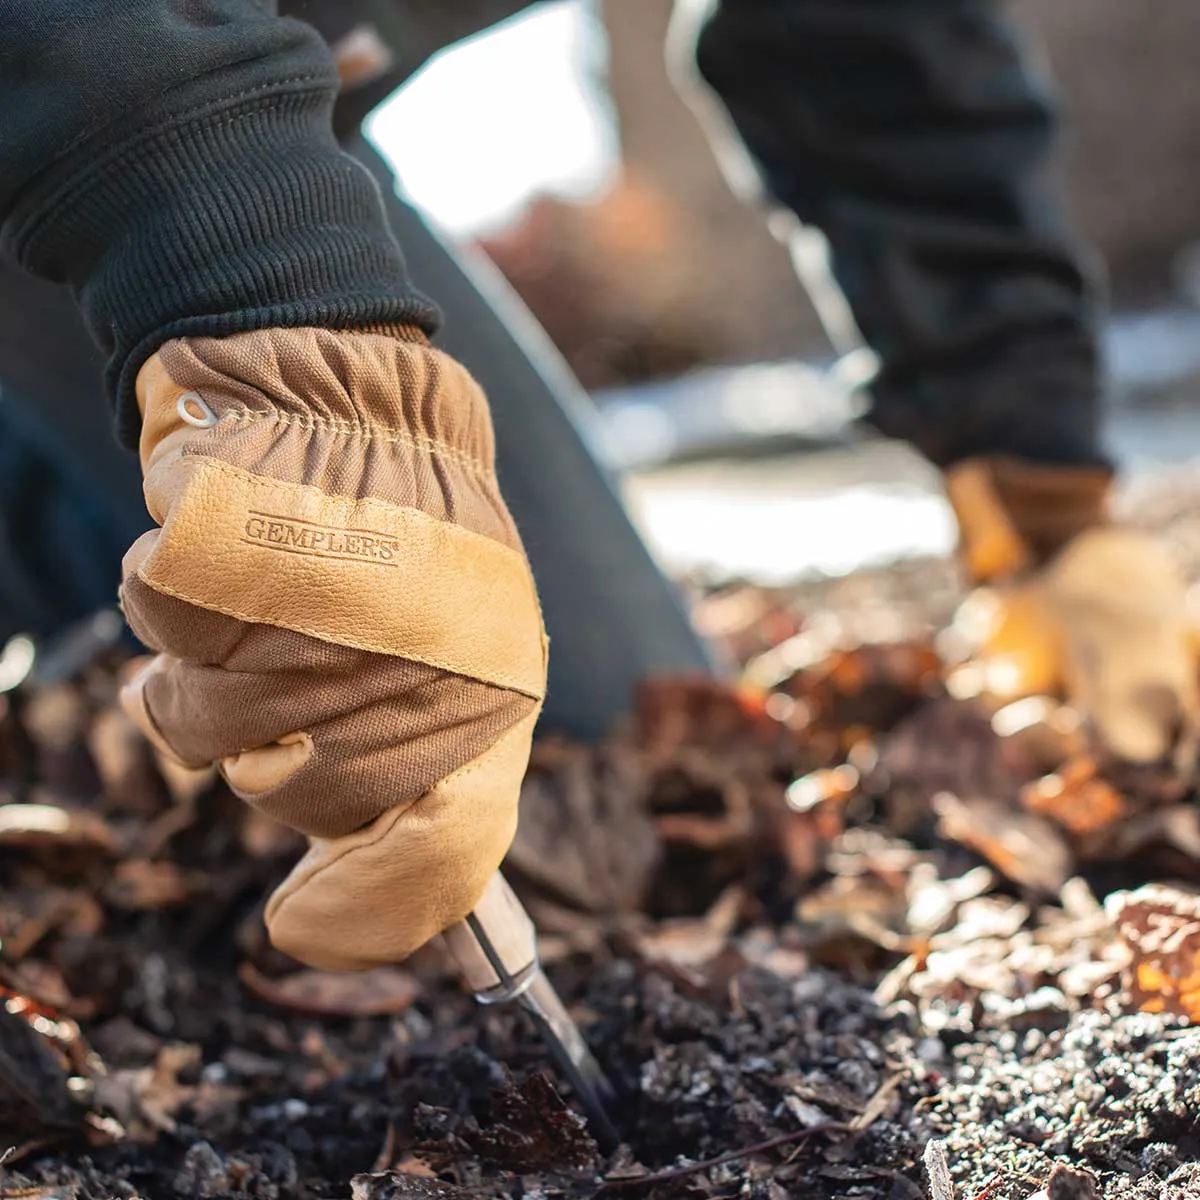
(371, 432)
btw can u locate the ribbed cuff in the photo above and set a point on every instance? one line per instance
(236, 216)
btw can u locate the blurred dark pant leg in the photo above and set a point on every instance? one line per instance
(612, 616)
(70, 496)
(915, 135)
(60, 541)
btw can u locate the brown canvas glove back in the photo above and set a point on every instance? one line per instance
(344, 617)
(1077, 605)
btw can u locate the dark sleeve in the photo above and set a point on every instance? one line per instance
(173, 161)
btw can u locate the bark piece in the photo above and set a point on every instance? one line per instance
(941, 1186)
(533, 1129)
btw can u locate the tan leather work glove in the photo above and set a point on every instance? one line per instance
(346, 620)
(1077, 605)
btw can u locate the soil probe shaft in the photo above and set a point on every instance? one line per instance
(495, 948)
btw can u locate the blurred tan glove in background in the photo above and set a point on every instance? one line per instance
(345, 620)
(1076, 605)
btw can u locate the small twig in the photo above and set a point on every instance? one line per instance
(871, 1113)
(786, 1139)
(878, 1103)
(14, 1154)
(873, 1109)
(991, 1186)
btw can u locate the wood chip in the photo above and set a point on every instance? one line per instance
(940, 1183)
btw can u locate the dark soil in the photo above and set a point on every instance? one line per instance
(1118, 1096)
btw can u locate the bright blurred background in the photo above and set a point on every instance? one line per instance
(556, 143)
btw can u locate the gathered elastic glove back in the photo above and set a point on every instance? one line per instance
(1077, 605)
(345, 620)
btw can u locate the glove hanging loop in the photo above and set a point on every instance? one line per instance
(193, 409)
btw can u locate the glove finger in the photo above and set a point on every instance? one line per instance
(237, 686)
(377, 895)
(321, 737)
(267, 768)
(339, 775)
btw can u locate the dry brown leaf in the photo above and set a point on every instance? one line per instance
(1161, 927)
(585, 845)
(693, 942)
(44, 985)
(1027, 849)
(673, 711)
(704, 833)
(1076, 798)
(854, 907)
(684, 943)
(866, 689)
(383, 991)
(761, 948)
(29, 913)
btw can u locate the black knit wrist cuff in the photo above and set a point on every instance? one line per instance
(231, 218)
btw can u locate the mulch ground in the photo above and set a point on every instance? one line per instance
(844, 930)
